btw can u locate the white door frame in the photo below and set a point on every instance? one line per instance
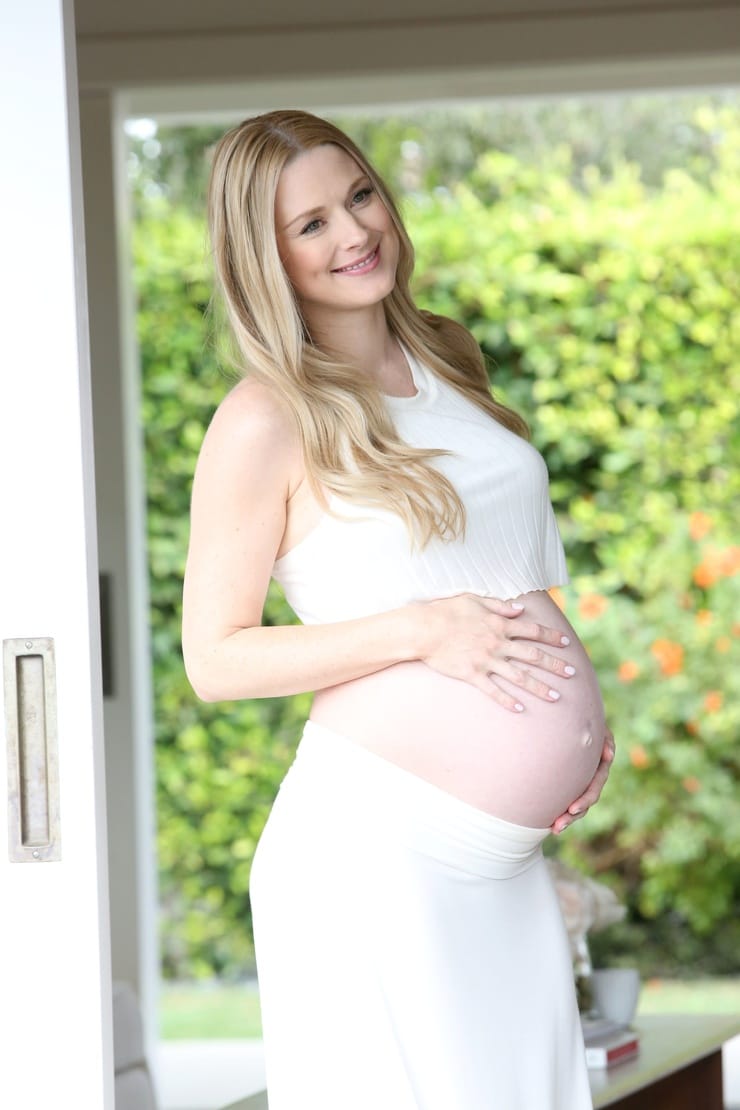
(58, 1048)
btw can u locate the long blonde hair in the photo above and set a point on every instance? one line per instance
(350, 445)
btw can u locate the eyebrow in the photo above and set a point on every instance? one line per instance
(320, 208)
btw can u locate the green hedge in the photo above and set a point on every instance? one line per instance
(610, 315)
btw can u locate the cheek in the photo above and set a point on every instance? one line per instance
(292, 273)
(299, 266)
(393, 248)
(390, 234)
(314, 257)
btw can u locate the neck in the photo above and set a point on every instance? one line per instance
(363, 339)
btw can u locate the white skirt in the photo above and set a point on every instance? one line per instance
(410, 949)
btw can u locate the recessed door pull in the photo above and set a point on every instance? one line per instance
(29, 680)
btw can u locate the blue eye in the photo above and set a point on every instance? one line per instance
(311, 226)
(362, 194)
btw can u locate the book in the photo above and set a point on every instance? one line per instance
(612, 1049)
(598, 1028)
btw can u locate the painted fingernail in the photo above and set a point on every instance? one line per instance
(570, 670)
(553, 695)
(518, 707)
(565, 640)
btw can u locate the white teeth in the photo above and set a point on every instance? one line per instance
(358, 265)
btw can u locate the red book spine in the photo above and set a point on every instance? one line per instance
(601, 1056)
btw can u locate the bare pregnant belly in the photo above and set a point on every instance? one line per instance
(524, 767)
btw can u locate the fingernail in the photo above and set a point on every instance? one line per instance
(570, 670)
(565, 640)
(553, 694)
(516, 605)
(575, 811)
(519, 707)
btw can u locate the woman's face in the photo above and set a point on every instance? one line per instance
(336, 239)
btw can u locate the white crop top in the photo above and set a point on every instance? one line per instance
(364, 562)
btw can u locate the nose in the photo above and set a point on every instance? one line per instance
(351, 231)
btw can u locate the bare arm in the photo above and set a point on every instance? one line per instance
(245, 476)
(248, 470)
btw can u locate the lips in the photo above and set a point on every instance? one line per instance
(362, 264)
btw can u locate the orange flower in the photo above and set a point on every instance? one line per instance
(591, 606)
(706, 573)
(699, 525)
(736, 628)
(713, 701)
(717, 563)
(729, 561)
(558, 597)
(691, 784)
(628, 670)
(723, 644)
(704, 617)
(692, 728)
(639, 758)
(669, 656)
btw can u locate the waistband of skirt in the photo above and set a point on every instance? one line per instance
(391, 802)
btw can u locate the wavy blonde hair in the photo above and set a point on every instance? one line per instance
(350, 445)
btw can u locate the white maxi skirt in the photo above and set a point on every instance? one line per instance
(411, 953)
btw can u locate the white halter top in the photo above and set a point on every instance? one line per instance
(364, 561)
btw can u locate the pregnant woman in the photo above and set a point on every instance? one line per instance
(410, 950)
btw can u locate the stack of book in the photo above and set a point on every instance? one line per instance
(608, 1042)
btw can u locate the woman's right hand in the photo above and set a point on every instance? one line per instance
(481, 639)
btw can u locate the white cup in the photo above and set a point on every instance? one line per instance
(615, 993)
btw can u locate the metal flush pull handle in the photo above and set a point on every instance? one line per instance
(29, 678)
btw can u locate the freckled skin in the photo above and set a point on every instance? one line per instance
(524, 767)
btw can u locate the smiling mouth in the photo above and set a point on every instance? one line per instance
(363, 264)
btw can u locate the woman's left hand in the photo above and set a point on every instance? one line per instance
(591, 794)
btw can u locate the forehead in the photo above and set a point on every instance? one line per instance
(313, 177)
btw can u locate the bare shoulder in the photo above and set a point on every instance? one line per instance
(253, 428)
(251, 412)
